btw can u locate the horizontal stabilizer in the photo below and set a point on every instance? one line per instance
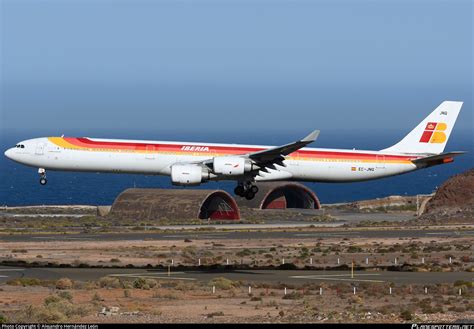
(436, 159)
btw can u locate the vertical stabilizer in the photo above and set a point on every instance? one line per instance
(432, 134)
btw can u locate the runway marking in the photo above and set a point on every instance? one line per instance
(324, 234)
(451, 233)
(152, 277)
(338, 277)
(61, 238)
(195, 235)
(11, 269)
(146, 273)
(3, 276)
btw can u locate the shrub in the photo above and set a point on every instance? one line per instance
(64, 283)
(244, 252)
(139, 283)
(19, 251)
(109, 282)
(25, 282)
(142, 283)
(3, 319)
(293, 295)
(51, 299)
(96, 297)
(126, 293)
(223, 283)
(406, 315)
(65, 295)
(53, 310)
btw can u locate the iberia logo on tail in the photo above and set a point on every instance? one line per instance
(434, 133)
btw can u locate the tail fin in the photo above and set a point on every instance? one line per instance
(432, 134)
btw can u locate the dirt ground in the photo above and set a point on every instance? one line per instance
(167, 301)
(195, 302)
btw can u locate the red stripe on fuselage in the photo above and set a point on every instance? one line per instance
(91, 144)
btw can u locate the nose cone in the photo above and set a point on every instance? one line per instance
(9, 153)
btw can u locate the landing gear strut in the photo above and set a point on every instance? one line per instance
(42, 173)
(246, 189)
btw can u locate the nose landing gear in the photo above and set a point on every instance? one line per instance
(42, 173)
(246, 189)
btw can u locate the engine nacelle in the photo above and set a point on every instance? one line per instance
(186, 174)
(232, 166)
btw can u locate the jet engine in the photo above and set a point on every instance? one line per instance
(232, 166)
(187, 174)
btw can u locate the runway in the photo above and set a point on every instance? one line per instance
(269, 276)
(247, 233)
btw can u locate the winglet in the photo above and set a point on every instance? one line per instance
(311, 137)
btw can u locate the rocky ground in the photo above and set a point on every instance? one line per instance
(452, 202)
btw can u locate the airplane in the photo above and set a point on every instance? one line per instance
(190, 164)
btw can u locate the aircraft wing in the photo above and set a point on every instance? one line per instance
(276, 155)
(269, 157)
(436, 159)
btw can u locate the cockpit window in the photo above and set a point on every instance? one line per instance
(20, 146)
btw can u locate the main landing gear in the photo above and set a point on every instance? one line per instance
(247, 190)
(42, 173)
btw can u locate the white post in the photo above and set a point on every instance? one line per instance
(172, 261)
(250, 290)
(285, 290)
(367, 260)
(460, 291)
(227, 261)
(422, 260)
(169, 270)
(426, 290)
(395, 260)
(338, 261)
(311, 261)
(354, 290)
(199, 261)
(450, 260)
(283, 261)
(213, 289)
(320, 290)
(390, 290)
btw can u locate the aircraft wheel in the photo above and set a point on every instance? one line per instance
(239, 190)
(250, 195)
(254, 189)
(43, 181)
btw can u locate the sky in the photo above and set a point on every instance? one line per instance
(157, 68)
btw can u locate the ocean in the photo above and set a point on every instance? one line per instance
(20, 184)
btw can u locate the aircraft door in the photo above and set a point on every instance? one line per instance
(39, 149)
(380, 161)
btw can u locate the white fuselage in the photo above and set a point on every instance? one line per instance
(157, 157)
